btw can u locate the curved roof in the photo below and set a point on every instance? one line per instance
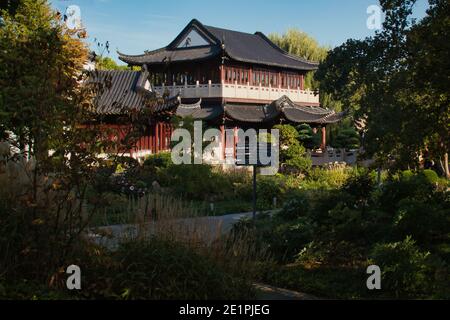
(198, 112)
(239, 46)
(121, 91)
(118, 91)
(282, 108)
(162, 56)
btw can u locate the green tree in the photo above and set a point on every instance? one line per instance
(45, 103)
(106, 63)
(346, 138)
(307, 137)
(395, 81)
(299, 43)
(9, 5)
(292, 153)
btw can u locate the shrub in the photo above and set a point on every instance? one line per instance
(292, 153)
(360, 185)
(395, 190)
(160, 160)
(425, 220)
(346, 138)
(430, 176)
(295, 206)
(268, 188)
(327, 178)
(307, 137)
(404, 268)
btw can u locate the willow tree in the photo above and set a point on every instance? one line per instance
(300, 44)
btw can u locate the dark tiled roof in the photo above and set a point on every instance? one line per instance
(165, 55)
(251, 113)
(119, 91)
(282, 108)
(257, 48)
(246, 47)
(198, 112)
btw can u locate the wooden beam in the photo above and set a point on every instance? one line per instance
(324, 138)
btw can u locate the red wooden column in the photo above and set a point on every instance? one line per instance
(157, 137)
(152, 138)
(161, 136)
(169, 140)
(324, 138)
(163, 139)
(164, 129)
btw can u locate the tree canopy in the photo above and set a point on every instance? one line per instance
(398, 82)
(299, 43)
(107, 63)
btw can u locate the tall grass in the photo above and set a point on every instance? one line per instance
(164, 217)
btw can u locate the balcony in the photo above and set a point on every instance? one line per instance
(239, 91)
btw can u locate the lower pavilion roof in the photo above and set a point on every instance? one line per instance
(282, 108)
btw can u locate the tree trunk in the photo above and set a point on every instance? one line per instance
(444, 165)
(446, 168)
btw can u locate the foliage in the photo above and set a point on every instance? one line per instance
(307, 137)
(159, 161)
(346, 138)
(404, 267)
(300, 44)
(292, 153)
(392, 81)
(339, 228)
(41, 105)
(106, 63)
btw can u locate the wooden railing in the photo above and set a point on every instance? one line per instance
(239, 91)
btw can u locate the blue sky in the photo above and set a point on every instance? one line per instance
(136, 25)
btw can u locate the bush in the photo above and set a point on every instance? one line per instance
(430, 176)
(360, 185)
(268, 188)
(307, 137)
(404, 268)
(346, 138)
(296, 206)
(160, 160)
(327, 178)
(292, 153)
(425, 220)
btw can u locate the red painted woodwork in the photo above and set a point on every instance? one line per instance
(324, 138)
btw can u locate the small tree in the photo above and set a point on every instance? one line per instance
(307, 137)
(347, 138)
(292, 153)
